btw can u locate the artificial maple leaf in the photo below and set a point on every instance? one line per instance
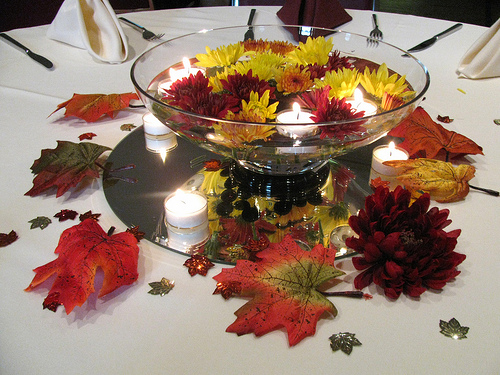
(421, 133)
(7, 239)
(65, 166)
(283, 286)
(90, 107)
(41, 222)
(161, 287)
(453, 329)
(82, 248)
(443, 181)
(376, 182)
(343, 341)
(136, 232)
(83, 136)
(64, 215)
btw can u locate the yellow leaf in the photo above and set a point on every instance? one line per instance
(443, 181)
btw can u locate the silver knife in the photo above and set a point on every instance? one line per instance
(40, 59)
(429, 42)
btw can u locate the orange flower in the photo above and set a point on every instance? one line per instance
(293, 80)
(276, 46)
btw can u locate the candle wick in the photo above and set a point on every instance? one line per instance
(298, 114)
(390, 153)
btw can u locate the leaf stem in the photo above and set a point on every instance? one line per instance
(349, 293)
(488, 191)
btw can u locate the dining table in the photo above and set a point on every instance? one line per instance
(131, 331)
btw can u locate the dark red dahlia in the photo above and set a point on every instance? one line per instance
(240, 86)
(209, 104)
(404, 247)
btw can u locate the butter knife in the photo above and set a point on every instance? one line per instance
(429, 42)
(40, 59)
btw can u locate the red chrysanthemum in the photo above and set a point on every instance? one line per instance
(325, 110)
(240, 86)
(336, 62)
(316, 70)
(209, 104)
(404, 248)
(186, 87)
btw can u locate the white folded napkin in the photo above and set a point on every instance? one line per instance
(482, 60)
(91, 25)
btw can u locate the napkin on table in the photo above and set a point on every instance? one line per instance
(482, 60)
(317, 13)
(91, 25)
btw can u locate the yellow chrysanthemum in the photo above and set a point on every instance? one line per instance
(222, 56)
(215, 81)
(263, 65)
(241, 134)
(342, 82)
(378, 82)
(260, 105)
(314, 50)
(293, 80)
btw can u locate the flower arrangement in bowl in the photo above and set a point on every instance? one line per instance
(273, 105)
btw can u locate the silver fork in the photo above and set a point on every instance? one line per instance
(375, 34)
(146, 34)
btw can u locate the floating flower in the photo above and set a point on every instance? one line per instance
(187, 86)
(241, 85)
(404, 248)
(260, 105)
(314, 50)
(342, 82)
(336, 62)
(261, 46)
(391, 101)
(263, 65)
(209, 104)
(222, 56)
(293, 80)
(378, 82)
(240, 134)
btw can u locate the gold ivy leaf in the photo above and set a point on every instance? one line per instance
(344, 341)
(41, 222)
(453, 329)
(161, 287)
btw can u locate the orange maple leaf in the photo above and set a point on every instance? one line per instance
(90, 107)
(421, 133)
(82, 248)
(283, 286)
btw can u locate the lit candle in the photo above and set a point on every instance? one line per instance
(295, 116)
(360, 104)
(159, 138)
(186, 218)
(386, 153)
(175, 75)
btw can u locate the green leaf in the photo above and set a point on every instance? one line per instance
(41, 222)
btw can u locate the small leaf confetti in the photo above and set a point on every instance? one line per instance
(228, 288)
(445, 119)
(453, 329)
(64, 215)
(7, 239)
(198, 264)
(127, 127)
(344, 341)
(497, 121)
(161, 287)
(41, 222)
(84, 136)
(89, 215)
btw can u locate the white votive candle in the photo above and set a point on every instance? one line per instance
(295, 116)
(385, 153)
(359, 103)
(186, 209)
(159, 138)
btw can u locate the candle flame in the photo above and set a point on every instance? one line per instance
(186, 63)
(392, 147)
(173, 74)
(296, 109)
(358, 97)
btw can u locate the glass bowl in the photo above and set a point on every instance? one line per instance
(287, 149)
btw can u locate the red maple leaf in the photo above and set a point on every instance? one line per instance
(82, 248)
(65, 166)
(283, 286)
(90, 107)
(198, 264)
(64, 215)
(421, 133)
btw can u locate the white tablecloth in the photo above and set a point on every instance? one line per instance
(133, 332)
